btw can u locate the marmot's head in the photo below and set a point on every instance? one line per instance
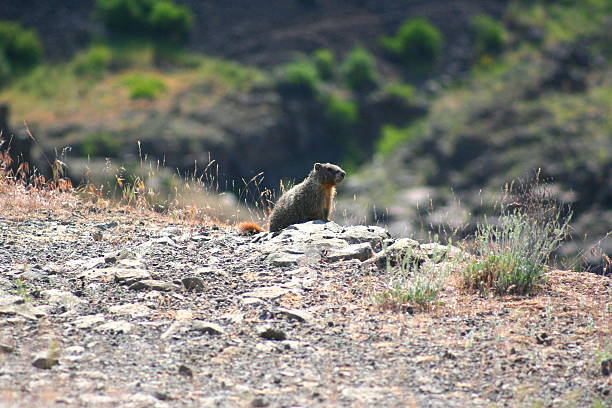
(328, 173)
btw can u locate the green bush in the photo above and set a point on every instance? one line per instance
(21, 48)
(400, 90)
(101, 144)
(413, 284)
(490, 35)
(299, 76)
(417, 42)
(359, 69)
(162, 19)
(392, 136)
(341, 113)
(325, 62)
(143, 86)
(514, 250)
(5, 68)
(93, 62)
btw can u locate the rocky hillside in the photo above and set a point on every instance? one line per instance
(118, 307)
(264, 32)
(427, 149)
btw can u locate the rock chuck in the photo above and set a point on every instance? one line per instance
(312, 199)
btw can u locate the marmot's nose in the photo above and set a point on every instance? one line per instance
(341, 175)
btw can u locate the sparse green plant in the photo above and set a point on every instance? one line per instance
(94, 62)
(513, 251)
(325, 61)
(144, 86)
(20, 49)
(162, 19)
(393, 136)
(418, 43)
(400, 90)
(299, 76)
(341, 113)
(230, 73)
(412, 283)
(359, 69)
(490, 35)
(22, 289)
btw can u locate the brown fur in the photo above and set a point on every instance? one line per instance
(312, 199)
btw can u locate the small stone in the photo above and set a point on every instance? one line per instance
(152, 284)
(24, 310)
(8, 299)
(543, 338)
(107, 225)
(45, 361)
(293, 344)
(111, 257)
(206, 327)
(131, 263)
(74, 350)
(430, 388)
(86, 322)
(128, 276)
(293, 314)
(185, 371)
(120, 326)
(197, 238)
(162, 396)
(170, 231)
(606, 367)
(438, 252)
(193, 283)
(283, 258)
(259, 403)
(270, 333)
(252, 301)
(62, 297)
(7, 346)
(270, 292)
(174, 327)
(131, 309)
(361, 252)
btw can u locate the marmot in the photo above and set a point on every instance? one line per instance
(310, 200)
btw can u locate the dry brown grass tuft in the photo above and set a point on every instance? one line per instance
(25, 193)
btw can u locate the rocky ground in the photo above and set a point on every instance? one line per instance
(120, 308)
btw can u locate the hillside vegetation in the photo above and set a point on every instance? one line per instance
(414, 109)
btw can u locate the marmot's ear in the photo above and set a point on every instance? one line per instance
(318, 166)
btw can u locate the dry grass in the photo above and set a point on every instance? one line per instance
(26, 193)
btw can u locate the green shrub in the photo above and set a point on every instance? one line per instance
(400, 90)
(359, 69)
(162, 19)
(299, 76)
(20, 47)
(341, 113)
(490, 35)
(392, 136)
(325, 62)
(417, 42)
(101, 144)
(93, 62)
(167, 18)
(5, 68)
(514, 250)
(143, 86)
(413, 284)
(230, 73)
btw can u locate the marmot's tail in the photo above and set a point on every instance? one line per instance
(249, 228)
